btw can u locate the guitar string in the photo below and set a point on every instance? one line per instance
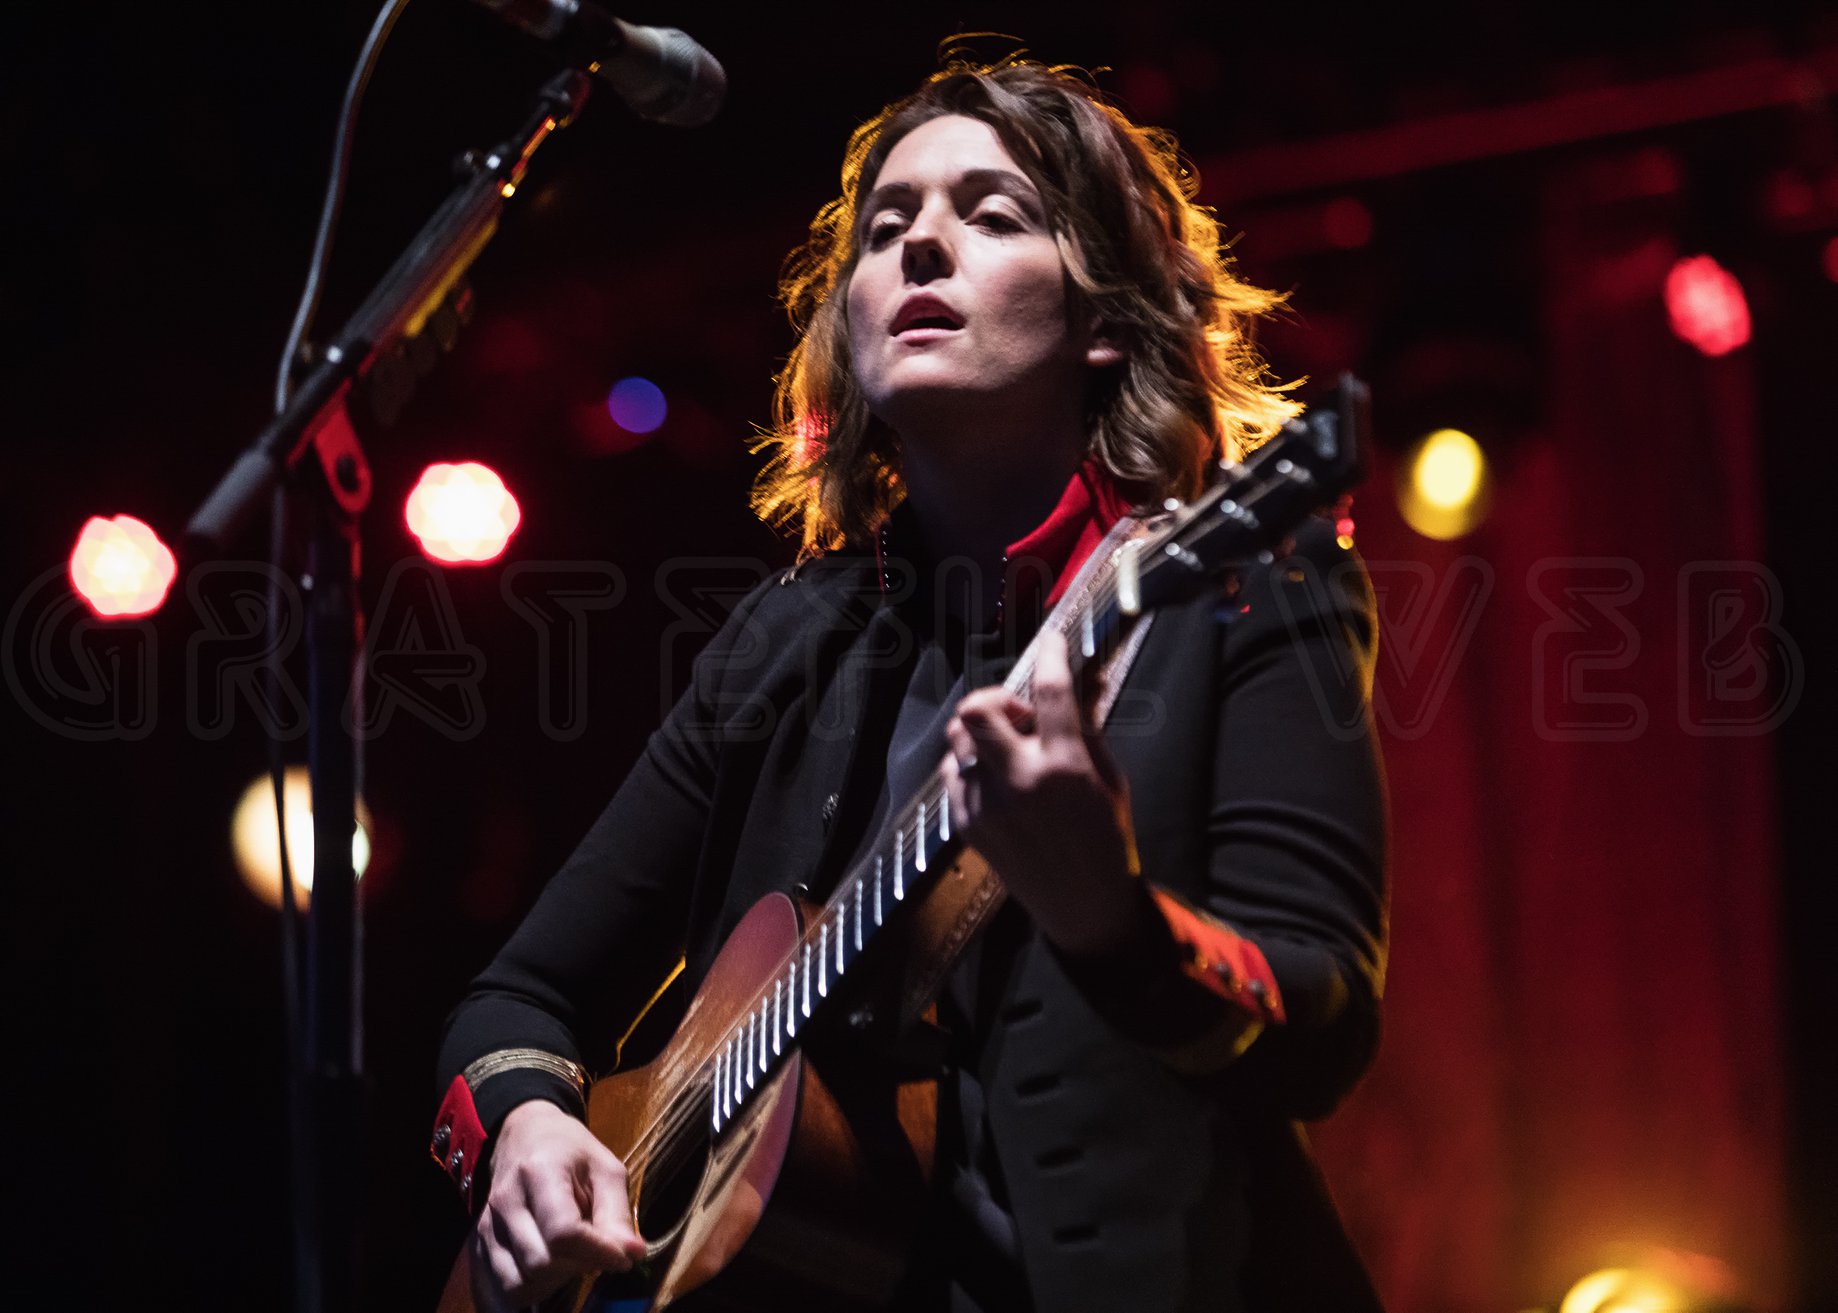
(691, 1103)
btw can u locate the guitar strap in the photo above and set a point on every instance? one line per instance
(961, 902)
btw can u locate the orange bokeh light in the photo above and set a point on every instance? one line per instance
(120, 568)
(462, 514)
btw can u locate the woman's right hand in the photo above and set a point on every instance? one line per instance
(557, 1211)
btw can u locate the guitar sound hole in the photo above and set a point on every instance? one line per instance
(670, 1183)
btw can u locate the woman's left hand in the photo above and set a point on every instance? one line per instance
(1036, 792)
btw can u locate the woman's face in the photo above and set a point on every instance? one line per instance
(958, 293)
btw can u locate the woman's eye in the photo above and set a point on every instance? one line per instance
(997, 221)
(883, 229)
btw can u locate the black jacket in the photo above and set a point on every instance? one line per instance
(1256, 794)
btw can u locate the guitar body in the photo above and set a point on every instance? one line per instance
(813, 1193)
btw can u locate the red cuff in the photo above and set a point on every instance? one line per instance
(459, 1137)
(1225, 962)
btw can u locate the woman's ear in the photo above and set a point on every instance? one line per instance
(1104, 349)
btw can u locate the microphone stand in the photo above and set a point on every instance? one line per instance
(374, 364)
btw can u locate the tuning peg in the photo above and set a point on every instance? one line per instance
(1129, 578)
(1231, 510)
(1181, 556)
(1297, 474)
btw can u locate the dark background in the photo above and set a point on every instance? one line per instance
(165, 167)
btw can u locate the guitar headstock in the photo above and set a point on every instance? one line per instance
(1312, 462)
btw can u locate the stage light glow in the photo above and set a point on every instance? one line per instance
(1443, 493)
(256, 841)
(462, 514)
(120, 568)
(1622, 1290)
(1830, 259)
(1449, 468)
(637, 405)
(1705, 303)
(1654, 1279)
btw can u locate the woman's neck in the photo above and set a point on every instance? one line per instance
(968, 506)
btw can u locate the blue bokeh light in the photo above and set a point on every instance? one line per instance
(637, 405)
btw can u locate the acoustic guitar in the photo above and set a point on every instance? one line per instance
(777, 1152)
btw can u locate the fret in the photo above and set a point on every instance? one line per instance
(716, 1089)
(839, 939)
(823, 960)
(740, 1091)
(778, 1016)
(858, 915)
(807, 977)
(899, 860)
(792, 989)
(919, 839)
(765, 1029)
(752, 1035)
(877, 889)
(944, 819)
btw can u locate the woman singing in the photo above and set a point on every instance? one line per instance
(1015, 325)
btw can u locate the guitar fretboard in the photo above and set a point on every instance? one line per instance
(899, 869)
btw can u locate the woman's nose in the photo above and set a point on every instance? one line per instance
(925, 252)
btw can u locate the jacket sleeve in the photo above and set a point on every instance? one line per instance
(1285, 945)
(1297, 827)
(606, 930)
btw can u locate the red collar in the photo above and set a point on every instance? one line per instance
(1093, 501)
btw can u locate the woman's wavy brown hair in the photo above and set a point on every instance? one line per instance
(1144, 258)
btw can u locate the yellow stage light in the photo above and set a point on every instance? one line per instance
(1449, 468)
(1654, 1279)
(1622, 1290)
(255, 837)
(1443, 493)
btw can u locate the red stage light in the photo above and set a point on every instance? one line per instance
(1706, 305)
(120, 567)
(462, 514)
(1831, 259)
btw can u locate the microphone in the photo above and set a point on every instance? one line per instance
(662, 74)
